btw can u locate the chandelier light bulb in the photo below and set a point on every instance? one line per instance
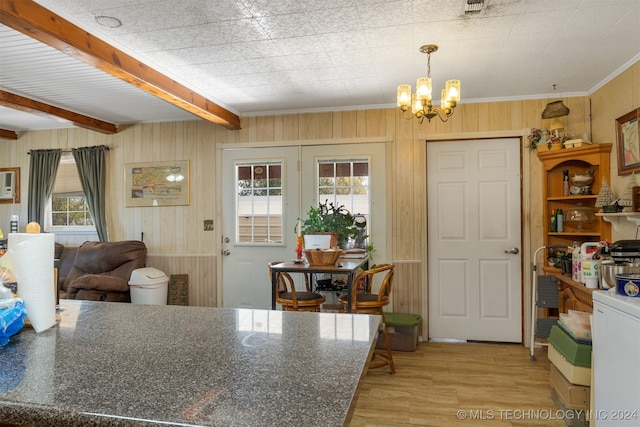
(444, 101)
(416, 105)
(423, 88)
(404, 96)
(453, 90)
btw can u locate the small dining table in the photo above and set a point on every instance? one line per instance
(346, 266)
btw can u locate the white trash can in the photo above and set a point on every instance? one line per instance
(148, 286)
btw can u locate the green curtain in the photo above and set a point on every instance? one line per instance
(43, 167)
(92, 170)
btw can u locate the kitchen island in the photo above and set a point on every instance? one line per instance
(117, 364)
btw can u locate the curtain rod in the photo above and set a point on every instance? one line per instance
(106, 147)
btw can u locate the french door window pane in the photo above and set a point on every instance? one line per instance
(345, 182)
(259, 202)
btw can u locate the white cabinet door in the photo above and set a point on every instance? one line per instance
(616, 364)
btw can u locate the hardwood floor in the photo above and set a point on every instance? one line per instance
(446, 384)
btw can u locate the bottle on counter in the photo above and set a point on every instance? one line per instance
(554, 227)
(13, 224)
(559, 221)
(3, 246)
(576, 265)
(565, 182)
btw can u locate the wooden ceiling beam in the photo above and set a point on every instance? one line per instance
(37, 22)
(17, 102)
(8, 134)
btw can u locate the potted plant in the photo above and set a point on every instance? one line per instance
(327, 218)
(537, 137)
(543, 140)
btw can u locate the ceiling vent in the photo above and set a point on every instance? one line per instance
(474, 7)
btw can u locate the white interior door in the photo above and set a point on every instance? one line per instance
(475, 280)
(259, 213)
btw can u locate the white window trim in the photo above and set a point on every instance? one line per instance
(59, 229)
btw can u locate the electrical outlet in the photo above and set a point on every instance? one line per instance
(208, 224)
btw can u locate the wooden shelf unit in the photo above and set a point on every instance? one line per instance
(573, 295)
(595, 157)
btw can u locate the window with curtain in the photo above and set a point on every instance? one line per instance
(67, 208)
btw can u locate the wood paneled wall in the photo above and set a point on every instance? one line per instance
(201, 270)
(179, 230)
(613, 100)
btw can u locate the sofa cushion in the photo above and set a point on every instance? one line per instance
(99, 287)
(98, 295)
(66, 256)
(104, 267)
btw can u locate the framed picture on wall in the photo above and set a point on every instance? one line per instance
(157, 183)
(628, 142)
(9, 185)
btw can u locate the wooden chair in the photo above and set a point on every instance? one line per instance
(292, 300)
(365, 302)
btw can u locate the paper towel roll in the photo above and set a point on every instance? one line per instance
(30, 259)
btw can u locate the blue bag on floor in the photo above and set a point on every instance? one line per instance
(12, 313)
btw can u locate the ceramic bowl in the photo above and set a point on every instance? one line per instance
(609, 270)
(582, 180)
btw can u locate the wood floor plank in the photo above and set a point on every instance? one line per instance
(446, 384)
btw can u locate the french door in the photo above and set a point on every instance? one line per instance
(259, 211)
(265, 192)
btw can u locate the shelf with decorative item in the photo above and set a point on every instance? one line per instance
(571, 181)
(573, 198)
(614, 218)
(574, 233)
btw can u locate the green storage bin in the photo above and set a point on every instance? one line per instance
(577, 354)
(402, 319)
(402, 329)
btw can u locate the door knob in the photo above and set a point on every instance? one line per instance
(226, 252)
(512, 251)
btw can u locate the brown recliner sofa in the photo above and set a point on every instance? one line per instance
(101, 270)
(64, 256)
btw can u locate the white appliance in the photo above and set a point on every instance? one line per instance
(7, 183)
(616, 359)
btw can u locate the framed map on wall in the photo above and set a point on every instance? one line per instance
(157, 183)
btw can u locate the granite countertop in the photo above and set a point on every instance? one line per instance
(117, 364)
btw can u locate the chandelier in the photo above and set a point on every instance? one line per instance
(421, 103)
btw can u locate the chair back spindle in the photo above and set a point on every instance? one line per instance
(291, 299)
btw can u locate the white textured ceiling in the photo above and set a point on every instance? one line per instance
(267, 56)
